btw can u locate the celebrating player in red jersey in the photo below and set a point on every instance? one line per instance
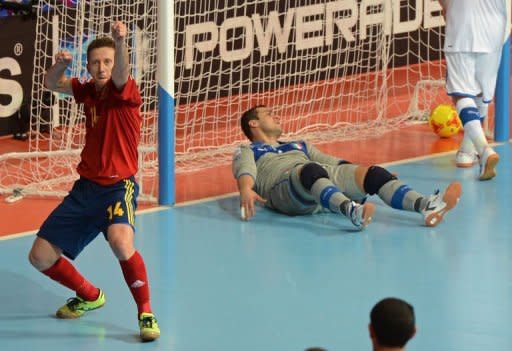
(104, 199)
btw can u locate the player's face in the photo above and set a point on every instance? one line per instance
(267, 123)
(99, 65)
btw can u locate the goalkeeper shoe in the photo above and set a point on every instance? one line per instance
(437, 204)
(148, 325)
(75, 307)
(360, 214)
(488, 162)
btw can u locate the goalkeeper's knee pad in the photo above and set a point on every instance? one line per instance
(310, 173)
(375, 178)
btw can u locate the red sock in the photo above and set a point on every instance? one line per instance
(66, 274)
(134, 271)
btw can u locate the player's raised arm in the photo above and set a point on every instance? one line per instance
(55, 79)
(121, 69)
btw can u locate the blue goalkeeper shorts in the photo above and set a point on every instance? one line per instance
(88, 210)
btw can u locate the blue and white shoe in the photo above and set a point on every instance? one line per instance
(438, 204)
(360, 214)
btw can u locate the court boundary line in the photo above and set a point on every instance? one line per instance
(233, 194)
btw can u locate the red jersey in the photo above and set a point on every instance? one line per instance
(113, 125)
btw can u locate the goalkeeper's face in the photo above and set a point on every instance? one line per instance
(268, 123)
(100, 64)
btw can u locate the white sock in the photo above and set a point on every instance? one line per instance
(476, 134)
(473, 129)
(466, 145)
(483, 108)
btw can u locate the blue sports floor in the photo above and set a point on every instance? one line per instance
(288, 283)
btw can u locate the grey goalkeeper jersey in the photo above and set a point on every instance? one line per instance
(266, 163)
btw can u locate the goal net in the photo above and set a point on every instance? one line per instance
(331, 70)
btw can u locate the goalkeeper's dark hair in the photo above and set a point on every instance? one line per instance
(247, 116)
(393, 322)
(101, 42)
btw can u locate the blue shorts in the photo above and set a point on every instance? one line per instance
(88, 210)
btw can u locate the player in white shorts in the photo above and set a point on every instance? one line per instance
(475, 32)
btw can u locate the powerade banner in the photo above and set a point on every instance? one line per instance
(224, 41)
(17, 36)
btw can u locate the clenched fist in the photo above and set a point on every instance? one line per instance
(63, 57)
(119, 31)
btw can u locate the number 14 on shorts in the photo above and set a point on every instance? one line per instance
(115, 210)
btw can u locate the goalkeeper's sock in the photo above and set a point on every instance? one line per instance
(134, 272)
(400, 196)
(329, 196)
(66, 274)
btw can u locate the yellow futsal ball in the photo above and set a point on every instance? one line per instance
(445, 121)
